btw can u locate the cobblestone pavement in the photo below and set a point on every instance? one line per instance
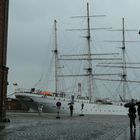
(134, 134)
(32, 126)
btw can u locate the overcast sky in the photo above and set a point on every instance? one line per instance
(31, 22)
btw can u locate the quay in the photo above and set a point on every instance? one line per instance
(45, 126)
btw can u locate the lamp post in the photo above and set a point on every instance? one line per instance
(58, 105)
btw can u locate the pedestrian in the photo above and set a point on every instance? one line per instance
(82, 106)
(132, 116)
(138, 110)
(71, 110)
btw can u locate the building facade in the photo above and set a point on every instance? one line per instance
(3, 55)
(15, 105)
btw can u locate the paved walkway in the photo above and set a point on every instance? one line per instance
(130, 135)
(32, 126)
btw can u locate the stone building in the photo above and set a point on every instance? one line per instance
(3, 55)
(15, 105)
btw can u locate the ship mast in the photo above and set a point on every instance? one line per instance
(124, 74)
(89, 69)
(88, 55)
(123, 64)
(56, 57)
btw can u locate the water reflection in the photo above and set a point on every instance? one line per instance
(2, 136)
(132, 134)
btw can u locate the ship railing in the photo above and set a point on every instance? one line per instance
(104, 101)
(23, 90)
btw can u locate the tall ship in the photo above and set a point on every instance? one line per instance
(84, 100)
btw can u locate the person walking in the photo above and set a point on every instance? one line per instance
(132, 116)
(71, 110)
(82, 106)
(138, 110)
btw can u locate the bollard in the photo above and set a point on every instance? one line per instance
(40, 107)
(81, 113)
(58, 116)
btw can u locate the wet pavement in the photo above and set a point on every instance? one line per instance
(32, 126)
(133, 134)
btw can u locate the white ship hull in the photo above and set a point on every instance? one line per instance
(48, 103)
